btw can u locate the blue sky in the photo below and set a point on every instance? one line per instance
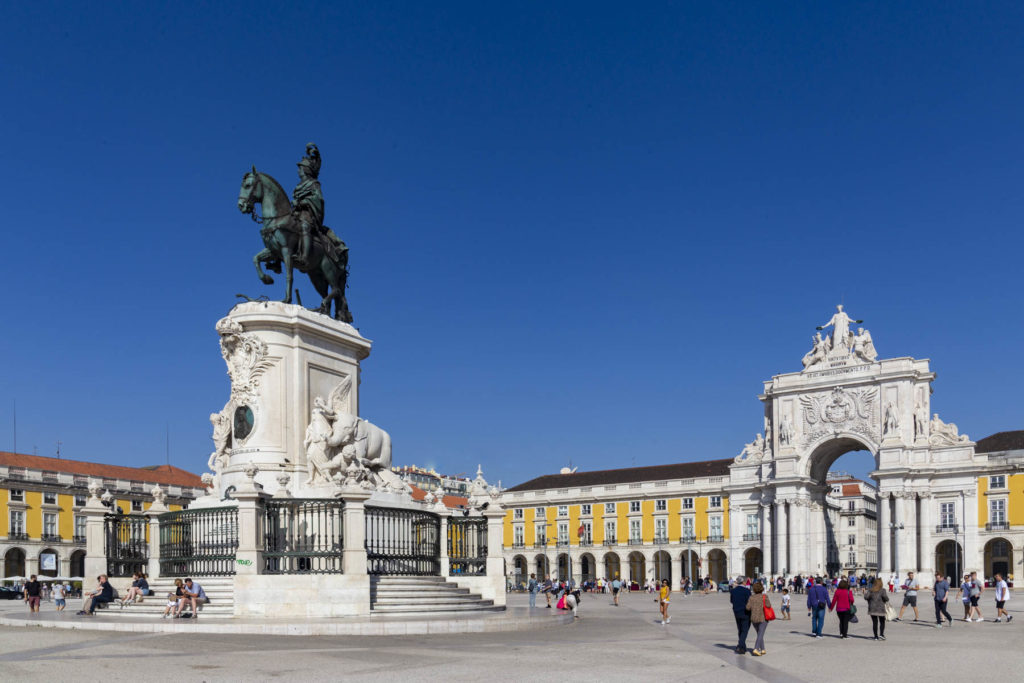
(579, 232)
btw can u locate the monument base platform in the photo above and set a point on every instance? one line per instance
(512, 619)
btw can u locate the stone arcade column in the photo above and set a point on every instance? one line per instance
(927, 528)
(884, 535)
(781, 534)
(677, 571)
(495, 589)
(798, 547)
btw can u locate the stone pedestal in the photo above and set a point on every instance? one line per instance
(280, 357)
(95, 550)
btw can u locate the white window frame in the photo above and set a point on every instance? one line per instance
(540, 532)
(715, 526)
(17, 495)
(80, 522)
(588, 535)
(542, 511)
(49, 497)
(715, 502)
(635, 531)
(518, 535)
(563, 532)
(563, 510)
(997, 511)
(947, 514)
(660, 530)
(997, 481)
(753, 524)
(609, 508)
(517, 513)
(660, 505)
(851, 539)
(687, 503)
(689, 527)
(586, 509)
(610, 532)
(50, 523)
(634, 506)
(17, 520)
(851, 521)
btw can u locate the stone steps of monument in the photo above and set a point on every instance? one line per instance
(423, 594)
(220, 590)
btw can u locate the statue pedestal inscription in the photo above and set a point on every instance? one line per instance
(281, 358)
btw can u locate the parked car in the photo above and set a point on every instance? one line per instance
(10, 593)
(723, 587)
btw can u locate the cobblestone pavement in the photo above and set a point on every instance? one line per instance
(606, 643)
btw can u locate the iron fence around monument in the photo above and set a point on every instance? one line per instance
(126, 544)
(402, 542)
(303, 536)
(467, 546)
(199, 542)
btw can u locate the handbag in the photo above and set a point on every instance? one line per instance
(769, 613)
(890, 612)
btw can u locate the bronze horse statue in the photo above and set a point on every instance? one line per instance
(326, 266)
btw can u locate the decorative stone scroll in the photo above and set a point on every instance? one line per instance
(840, 410)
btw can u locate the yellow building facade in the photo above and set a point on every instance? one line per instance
(42, 530)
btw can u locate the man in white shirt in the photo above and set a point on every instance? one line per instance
(910, 589)
(1002, 595)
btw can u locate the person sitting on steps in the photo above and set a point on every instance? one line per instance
(192, 594)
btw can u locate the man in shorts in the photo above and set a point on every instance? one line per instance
(33, 591)
(1002, 595)
(616, 587)
(975, 596)
(59, 596)
(910, 589)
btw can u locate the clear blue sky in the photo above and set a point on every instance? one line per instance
(580, 232)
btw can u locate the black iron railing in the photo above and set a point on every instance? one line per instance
(17, 536)
(467, 546)
(52, 538)
(199, 542)
(542, 543)
(751, 537)
(403, 542)
(997, 526)
(78, 539)
(716, 538)
(126, 544)
(303, 536)
(947, 529)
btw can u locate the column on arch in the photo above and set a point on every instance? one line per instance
(766, 538)
(927, 502)
(781, 535)
(884, 535)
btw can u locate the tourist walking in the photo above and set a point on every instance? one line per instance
(940, 593)
(616, 587)
(1002, 595)
(758, 606)
(817, 604)
(786, 597)
(842, 603)
(663, 600)
(533, 588)
(33, 590)
(877, 600)
(59, 597)
(975, 595)
(548, 587)
(739, 595)
(965, 595)
(910, 589)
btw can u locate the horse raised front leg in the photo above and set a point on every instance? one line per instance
(286, 256)
(259, 259)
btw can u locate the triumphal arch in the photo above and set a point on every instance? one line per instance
(847, 399)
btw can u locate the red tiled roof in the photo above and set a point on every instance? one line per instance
(449, 501)
(851, 489)
(156, 474)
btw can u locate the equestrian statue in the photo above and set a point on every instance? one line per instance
(294, 234)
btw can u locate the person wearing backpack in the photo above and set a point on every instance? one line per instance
(817, 603)
(533, 588)
(842, 603)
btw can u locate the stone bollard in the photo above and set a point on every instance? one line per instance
(95, 546)
(354, 557)
(153, 513)
(495, 517)
(249, 556)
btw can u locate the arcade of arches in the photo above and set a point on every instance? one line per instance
(940, 501)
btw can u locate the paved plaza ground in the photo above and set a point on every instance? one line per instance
(606, 643)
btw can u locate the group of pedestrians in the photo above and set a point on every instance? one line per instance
(34, 592)
(752, 608)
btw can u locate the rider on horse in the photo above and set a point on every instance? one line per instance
(308, 207)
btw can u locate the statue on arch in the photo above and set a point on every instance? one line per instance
(945, 433)
(864, 346)
(840, 324)
(818, 353)
(891, 424)
(920, 421)
(753, 450)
